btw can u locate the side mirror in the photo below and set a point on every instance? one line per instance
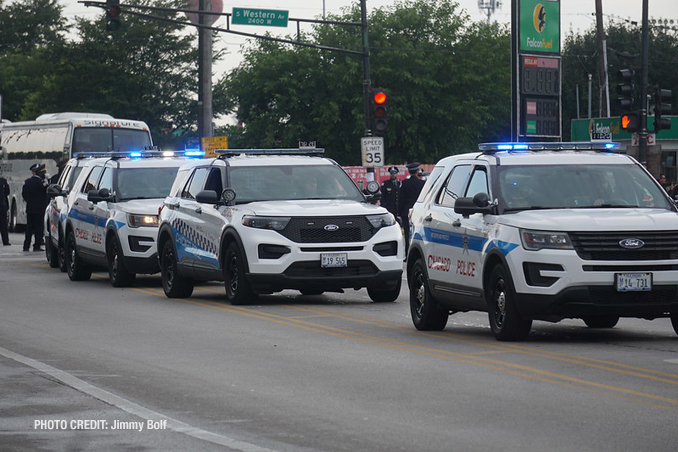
(207, 197)
(103, 194)
(54, 190)
(480, 203)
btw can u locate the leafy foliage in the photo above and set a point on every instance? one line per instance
(448, 81)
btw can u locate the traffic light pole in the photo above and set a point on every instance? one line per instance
(642, 110)
(367, 83)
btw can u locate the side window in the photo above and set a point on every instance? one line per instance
(214, 181)
(106, 179)
(478, 182)
(454, 187)
(195, 184)
(65, 177)
(92, 179)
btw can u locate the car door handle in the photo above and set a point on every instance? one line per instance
(456, 223)
(428, 217)
(198, 210)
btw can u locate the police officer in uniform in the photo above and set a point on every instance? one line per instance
(390, 190)
(34, 193)
(409, 192)
(4, 207)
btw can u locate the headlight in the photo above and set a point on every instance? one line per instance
(381, 221)
(537, 240)
(136, 221)
(275, 223)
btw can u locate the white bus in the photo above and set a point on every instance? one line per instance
(53, 137)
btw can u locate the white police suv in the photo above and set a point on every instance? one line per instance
(543, 231)
(112, 218)
(57, 210)
(264, 221)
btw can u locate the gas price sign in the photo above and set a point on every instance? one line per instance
(540, 96)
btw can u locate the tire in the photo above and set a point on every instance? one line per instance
(173, 284)
(505, 321)
(674, 321)
(238, 289)
(385, 296)
(12, 222)
(61, 251)
(51, 252)
(77, 270)
(117, 271)
(426, 314)
(601, 321)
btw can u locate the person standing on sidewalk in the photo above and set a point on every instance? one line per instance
(34, 193)
(4, 207)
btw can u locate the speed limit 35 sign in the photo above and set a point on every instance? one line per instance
(372, 151)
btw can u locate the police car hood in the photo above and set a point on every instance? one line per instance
(141, 206)
(593, 219)
(314, 208)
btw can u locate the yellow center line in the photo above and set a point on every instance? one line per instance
(500, 366)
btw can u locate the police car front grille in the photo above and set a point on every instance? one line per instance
(323, 230)
(659, 245)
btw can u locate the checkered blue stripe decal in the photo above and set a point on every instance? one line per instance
(191, 241)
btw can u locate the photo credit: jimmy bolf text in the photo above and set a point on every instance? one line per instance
(92, 424)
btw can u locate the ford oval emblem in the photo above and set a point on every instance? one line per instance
(331, 227)
(631, 244)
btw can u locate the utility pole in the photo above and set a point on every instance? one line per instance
(642, 132)
(367, 83)
(205, 112)
(602, 68)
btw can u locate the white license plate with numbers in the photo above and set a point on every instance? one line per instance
(333, 260)
(629, 282)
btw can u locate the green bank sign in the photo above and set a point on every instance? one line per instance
(264, 17)
(540, 26)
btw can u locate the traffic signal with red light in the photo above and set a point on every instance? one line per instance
(630, 122)
(625, 89)
(379, 111)
(662, 107)
(113, 15)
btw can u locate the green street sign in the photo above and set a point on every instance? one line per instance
(264, 17)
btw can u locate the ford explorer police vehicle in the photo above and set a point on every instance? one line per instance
(543, 231)
(264, 221)
(57, 210)
(112, 219)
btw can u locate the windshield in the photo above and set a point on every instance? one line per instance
(264, 183)
(578, 186)
(142, 183)
(106, 139)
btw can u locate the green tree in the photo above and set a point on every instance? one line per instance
(448, 79)
(580, 58)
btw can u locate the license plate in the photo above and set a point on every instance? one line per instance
(629, 282)
(333, 260)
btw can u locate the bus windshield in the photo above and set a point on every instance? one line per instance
(105, 139)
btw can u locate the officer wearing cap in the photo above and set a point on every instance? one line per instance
(34, 193)
(60, 165)
(390, 190)
(409, 192)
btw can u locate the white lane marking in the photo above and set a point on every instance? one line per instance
(132, 407)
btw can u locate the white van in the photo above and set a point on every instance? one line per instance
(55, 136)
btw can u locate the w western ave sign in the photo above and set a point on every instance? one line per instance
(265, 17)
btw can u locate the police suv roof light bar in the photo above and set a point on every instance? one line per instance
(490, 148)
(138, 154)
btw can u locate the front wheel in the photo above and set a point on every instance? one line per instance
(385, 296)
(117, 271)
(426, 314)
(77, 270)
(173, 284)
(51, 252)
(505, 321)
(601, 321)
(238, 289)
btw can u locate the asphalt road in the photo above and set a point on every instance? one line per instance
(85, 366)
